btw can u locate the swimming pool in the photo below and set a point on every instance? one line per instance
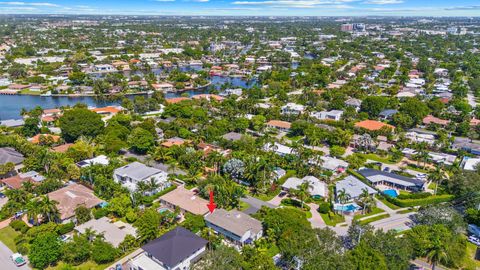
(351, 207)
(163, 210)
(390, 193)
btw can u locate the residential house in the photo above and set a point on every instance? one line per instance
(279, 125)
(334, 115)
(8, 154)
(186, 200)
(173, 141)
(376, 178)
(130, 175)
(236, 226)
(373, 125)
(333, 164)
(278, 148)
(111, 232)
(317, 188)
(353, 102)
(353, 187)
(12, 123)
(16, 182)
(430, 119)
(177, 249)
(70, 198)
(387, 114)
(232, 136)
(419, 137)
(442, 158)
(292, 109)
(470, 164)
(99, 160)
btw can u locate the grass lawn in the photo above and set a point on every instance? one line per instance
(432, 186)
(243, 206)
(267, 197)
(375, 211)
(417, 169)
(30, 92)
(273, 250)
(469, 262)
(89, 265)
(372, 219)
(378, 158)
(387, 203)
(409, 210)
(332, 221)
(7, 236)
(295, 138)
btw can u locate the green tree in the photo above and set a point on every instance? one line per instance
(45, 250)
(83, 214)
(148, 225)
(141, 141)
(103, 252)
(80, 122)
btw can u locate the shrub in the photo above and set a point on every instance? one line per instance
(65, 228)
(420, 195)
(420, 202)
(100, 212)
(103, 252)
(295, 203)
(324, 208)
(131, 216)
(19, 226)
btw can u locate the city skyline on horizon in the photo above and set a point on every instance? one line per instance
(321, 8)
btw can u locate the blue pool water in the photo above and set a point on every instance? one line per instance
(351, 207)
(391, 193)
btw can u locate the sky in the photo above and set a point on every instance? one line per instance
(247, 7)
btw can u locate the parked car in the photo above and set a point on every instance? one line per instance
(18, 259)
(416, 267)
(474, 240)
(65, 238)
(18, 214)
(118, 267)
(282, 194)
(2, 195)
(386, 169)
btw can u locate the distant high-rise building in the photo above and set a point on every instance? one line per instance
(347, 27)
(359, 27)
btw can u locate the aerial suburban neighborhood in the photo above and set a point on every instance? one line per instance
(212, 143)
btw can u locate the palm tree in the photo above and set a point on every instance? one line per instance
(436, 177)
(303, 191)
(343, 197)
(152, 185)
(33, 210)
(48, 209)
(367, 201)
(436, 253)
(28, 186)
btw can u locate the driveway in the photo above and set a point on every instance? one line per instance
(398, 222)
(255, 204)
(316, 220)
(5, 261)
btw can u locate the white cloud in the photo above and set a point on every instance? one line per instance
(35, 4)
(334, 4)
(384, 2)
(164, 0)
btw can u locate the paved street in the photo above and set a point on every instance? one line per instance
(255, 204)
(5, 261)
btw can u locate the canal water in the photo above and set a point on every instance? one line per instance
(11, 105)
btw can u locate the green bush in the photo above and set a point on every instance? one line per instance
(420, 202)
(324, 208)
(65, 228)
(100, 212)
(415, 196)
(19, 226)
(295, 203)
(131, 216)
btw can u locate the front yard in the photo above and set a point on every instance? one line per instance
(7, 236)
(332, 219)
(374, 211)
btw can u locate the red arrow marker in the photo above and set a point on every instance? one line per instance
(211, 205)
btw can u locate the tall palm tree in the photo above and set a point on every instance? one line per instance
(33, 210)
(152, 184)
(436, 253)
(303, 191)
(436, 177)
(366, 201)
(48, 209)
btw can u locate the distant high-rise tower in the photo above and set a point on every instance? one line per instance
(347, 27)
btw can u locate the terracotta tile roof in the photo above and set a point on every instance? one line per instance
(176, 100)
(279, 124)
(62, 148)
(173, 141)
(15, 182)
(51, 111)
(372, 125)
(72, 196)
(109, 109)
(429, 119)
(36, 139)
(48, 119)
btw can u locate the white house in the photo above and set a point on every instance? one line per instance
(132, 174)
(334, 115)
(292, 109)
(317, 188)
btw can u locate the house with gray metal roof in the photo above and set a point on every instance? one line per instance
(12, 123)
(393, 180)
(175, 250)
(8, 154)
(236, 226)
(353, 187)
(132, 174)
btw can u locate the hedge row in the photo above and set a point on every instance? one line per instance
(295, 203)
(420, 202)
